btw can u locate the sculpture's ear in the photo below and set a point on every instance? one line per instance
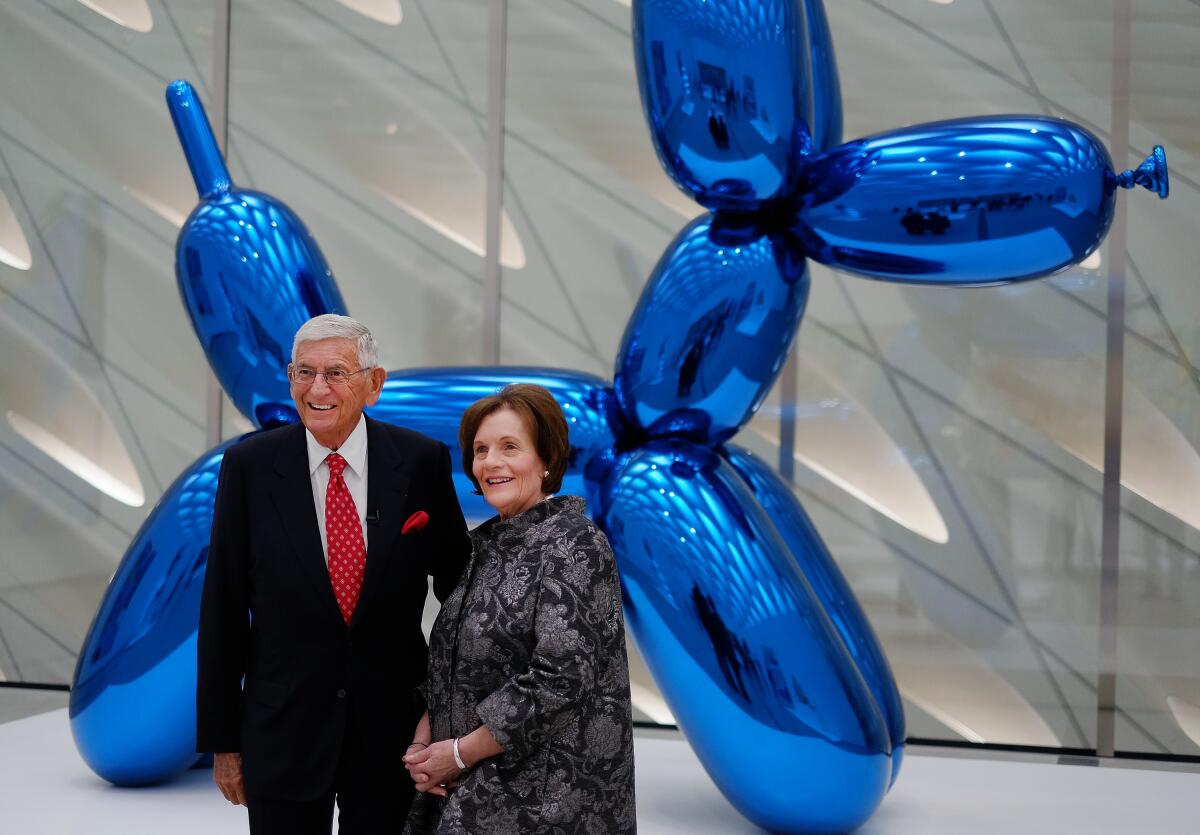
(727, 93)
(826, 89)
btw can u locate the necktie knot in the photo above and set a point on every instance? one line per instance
(336, 465)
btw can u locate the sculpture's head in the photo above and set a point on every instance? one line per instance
(249, 271)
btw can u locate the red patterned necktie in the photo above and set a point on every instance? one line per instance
(344, 539)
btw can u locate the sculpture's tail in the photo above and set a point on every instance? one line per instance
(1151, 174)
(196, 137)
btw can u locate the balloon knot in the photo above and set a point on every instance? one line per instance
(1151, 174)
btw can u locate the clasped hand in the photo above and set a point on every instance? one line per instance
(433, 768)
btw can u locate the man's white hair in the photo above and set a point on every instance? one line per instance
(333, 326)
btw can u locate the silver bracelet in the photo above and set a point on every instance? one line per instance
(458, 760)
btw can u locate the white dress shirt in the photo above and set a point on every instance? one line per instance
(354, 450)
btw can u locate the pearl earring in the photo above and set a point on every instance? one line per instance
(545, 474)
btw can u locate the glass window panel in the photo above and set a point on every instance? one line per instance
(1158, 670)
(366, 131)
(102, 393)
(590, 202)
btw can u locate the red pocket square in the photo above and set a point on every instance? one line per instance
(415, 522)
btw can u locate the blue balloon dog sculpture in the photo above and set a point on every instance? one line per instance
(750, 629)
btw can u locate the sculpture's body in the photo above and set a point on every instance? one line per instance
(751, 631)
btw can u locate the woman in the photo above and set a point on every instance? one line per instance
(528, 727)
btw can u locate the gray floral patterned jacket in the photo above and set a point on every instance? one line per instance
(532, 644)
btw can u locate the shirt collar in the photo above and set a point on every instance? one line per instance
(354, 450)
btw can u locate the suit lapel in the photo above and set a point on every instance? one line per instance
(293, 499)
(387, 488)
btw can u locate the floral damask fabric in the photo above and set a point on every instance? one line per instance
(532, 644)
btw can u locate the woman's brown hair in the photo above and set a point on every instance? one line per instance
(543, 418)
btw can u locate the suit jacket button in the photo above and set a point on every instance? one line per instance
(341, 694)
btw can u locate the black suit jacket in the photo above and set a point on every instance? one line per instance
(268, 611)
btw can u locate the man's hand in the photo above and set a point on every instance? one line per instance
(227, 772)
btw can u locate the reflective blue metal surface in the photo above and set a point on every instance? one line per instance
(827, 90)
(968, 201)
(726, 92)
(196, 138)
(830, 586)
(1151, 174)
(711, 331)
(133, 698)
(749, 663)
(249, 271)
(432, 401)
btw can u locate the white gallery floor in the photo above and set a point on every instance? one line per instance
(46, 788)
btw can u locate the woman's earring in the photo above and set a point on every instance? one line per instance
(546, 474)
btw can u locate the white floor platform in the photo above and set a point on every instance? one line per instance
(46, 788)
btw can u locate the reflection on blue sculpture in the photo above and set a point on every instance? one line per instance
(432, 400)
(133, 700)
(725, 90)
(249, 271)
(1151, 174)
(750, 664)
(748, 626)
(827, 91)
(969, 201)
(710, 333)
(833, 593)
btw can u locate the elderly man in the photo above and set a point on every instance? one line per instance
(323, 535)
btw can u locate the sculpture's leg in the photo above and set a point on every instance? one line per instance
(752, 667)
(133, 699)
(830, 587)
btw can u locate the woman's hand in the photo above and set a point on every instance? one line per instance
(415, 747)
(433, 769)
